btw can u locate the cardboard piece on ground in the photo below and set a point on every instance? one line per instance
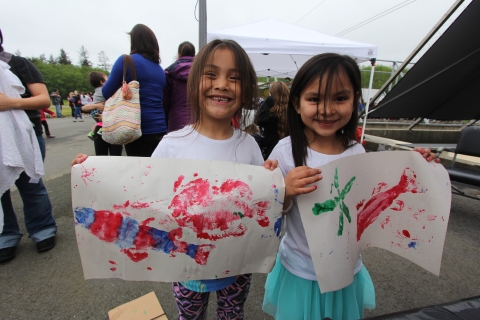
(146, 307)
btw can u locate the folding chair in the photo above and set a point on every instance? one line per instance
(468, 144)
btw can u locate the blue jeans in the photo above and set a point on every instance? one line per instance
(58, 109)
(78, 112)
(37, 209)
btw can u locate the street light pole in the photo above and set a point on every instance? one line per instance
(202, 23)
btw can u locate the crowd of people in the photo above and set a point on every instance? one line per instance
(196, 109)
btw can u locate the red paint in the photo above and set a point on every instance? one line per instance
(140, 205)
(385, 222)
(177, 183)
(314, 187)
(148, 268)
(381, 201)
(379, 188)
(423, 227)
(195, 174)
(106, 225)
(431, 218)
(443, 219)
(192, 208)
(227, 271)
(87, 174)
(113, 269)
(406, 233)
(360, 204)
(121, 206)
(274, 186)
(399, 204)
(112, 262)
(135, 256)
(415, 215)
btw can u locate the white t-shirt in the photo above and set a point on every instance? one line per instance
(187, 143)
(294, 252)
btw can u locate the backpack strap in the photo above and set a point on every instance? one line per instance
(128, 63)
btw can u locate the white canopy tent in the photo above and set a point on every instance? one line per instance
(279, 49)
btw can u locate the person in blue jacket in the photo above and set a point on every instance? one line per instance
(146, 57)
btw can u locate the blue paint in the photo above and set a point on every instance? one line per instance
(127, 232)
(192, 250)
(277, 227)
(161, 241)
(84, 216)
(331, 252)
(412, 245)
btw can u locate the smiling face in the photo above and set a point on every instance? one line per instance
(323, 111)
(220, 89)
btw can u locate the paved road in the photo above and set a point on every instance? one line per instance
(51, 285)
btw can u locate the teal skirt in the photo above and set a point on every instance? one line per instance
(288, 297)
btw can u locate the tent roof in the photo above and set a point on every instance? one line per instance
(445, 83)
(277, 48)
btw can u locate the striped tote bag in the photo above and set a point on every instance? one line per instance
(121, 115)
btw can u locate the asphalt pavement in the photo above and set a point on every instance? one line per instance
(50, 285)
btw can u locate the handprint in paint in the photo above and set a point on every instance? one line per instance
(337, 200)
(216, 212)
(134, 238)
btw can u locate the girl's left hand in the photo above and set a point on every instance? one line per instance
(270, 164)
(427, 154)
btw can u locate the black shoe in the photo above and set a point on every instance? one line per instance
(7, 254)
(46, 244)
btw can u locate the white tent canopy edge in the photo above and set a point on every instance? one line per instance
(279, 49)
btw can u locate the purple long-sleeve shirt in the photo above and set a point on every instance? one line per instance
(175, 94)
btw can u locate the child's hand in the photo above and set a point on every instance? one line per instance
(80, 158)
(427, 154)
(270, 164)
(298, 178)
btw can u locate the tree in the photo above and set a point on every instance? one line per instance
(63, 57)
(103, 61)
(83, 61)
(52, 60)
(43, 58)
(18, 53)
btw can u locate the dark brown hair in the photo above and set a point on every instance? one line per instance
(143, 41)
(326, 67)
(248, 78)
(96, 78)
(280, 92)
(186, 49)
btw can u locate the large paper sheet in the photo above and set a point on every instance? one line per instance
(391, 200)
(174, 219)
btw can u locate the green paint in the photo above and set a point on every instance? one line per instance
(331, 204)
(135, 311)
(239, 214)
(144, 311)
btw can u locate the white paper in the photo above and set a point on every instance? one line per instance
(174, 219)
(396, 201)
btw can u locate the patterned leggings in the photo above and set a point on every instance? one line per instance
(230, 300)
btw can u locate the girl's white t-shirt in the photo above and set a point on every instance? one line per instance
(294, 252)
(187, 143)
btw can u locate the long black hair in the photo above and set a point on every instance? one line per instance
(326, 67)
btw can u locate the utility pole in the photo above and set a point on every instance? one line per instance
(202, 23)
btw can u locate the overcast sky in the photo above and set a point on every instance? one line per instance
(34, 26)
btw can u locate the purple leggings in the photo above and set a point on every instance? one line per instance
(193, 305)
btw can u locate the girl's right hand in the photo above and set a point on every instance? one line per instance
(297, 180)
(80, 158)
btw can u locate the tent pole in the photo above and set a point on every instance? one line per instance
(368, 99)
(432, 32)
(202, 23)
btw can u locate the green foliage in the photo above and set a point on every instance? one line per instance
(65, 77)
(381, 75)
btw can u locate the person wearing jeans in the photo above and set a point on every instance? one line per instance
(57, 102)
(39, 220)
(77, 102)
